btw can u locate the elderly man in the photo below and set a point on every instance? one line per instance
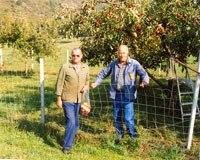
(72, 81)
(123, 88)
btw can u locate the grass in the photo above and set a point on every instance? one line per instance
(162, 134)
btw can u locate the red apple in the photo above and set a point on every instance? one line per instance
(195, 18)
(178, 15)
(130, 5)
(97, 23)
(138, 32)
(185, 15)
(158, 28)
(173, 25)
(86, 8)
(163, 31)
(93, 7)
(179, 4)
(157, 32)
(139, 27)
(108, 15)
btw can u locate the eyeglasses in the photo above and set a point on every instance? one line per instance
(76, 55)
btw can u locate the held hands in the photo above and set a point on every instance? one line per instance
(143, 84)
(93, 85)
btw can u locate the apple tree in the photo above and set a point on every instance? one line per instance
(154, 30)
(29, 39)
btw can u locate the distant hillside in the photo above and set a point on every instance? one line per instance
(35, 8)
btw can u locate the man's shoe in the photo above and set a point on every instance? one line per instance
(135, 135)
(120, 136)
(117, 141)
(66, 151)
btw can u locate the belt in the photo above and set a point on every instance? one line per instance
(121, 91)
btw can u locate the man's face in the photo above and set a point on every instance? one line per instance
(76, 56)
(123, 54)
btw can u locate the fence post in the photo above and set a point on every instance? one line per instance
(67, 56)
(32, 65)
(42, 89)
(1, 59)
(194, 107)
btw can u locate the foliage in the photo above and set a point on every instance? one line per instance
(19, 2)
(30, 39)
(153, 30)
(45, 39)
(25, 36)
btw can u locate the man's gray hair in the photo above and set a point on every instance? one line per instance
(123, 46)
(76, 49)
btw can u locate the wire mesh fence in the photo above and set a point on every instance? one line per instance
(155, 110)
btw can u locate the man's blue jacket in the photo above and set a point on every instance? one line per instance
(133, 68)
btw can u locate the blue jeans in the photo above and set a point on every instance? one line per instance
(71, 112)
(123, 107)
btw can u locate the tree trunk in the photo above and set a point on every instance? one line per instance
(157, 81)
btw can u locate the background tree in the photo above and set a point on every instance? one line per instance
(30, 39)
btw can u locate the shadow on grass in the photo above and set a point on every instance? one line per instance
(29, 98)
(65, 41)
(51, 134)
(17, 73)
(91, 129)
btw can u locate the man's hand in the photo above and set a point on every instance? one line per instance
(143, 84)
(59, 102)
(85, 88)
(93, 85)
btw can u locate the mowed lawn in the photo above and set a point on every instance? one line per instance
(23, 136)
